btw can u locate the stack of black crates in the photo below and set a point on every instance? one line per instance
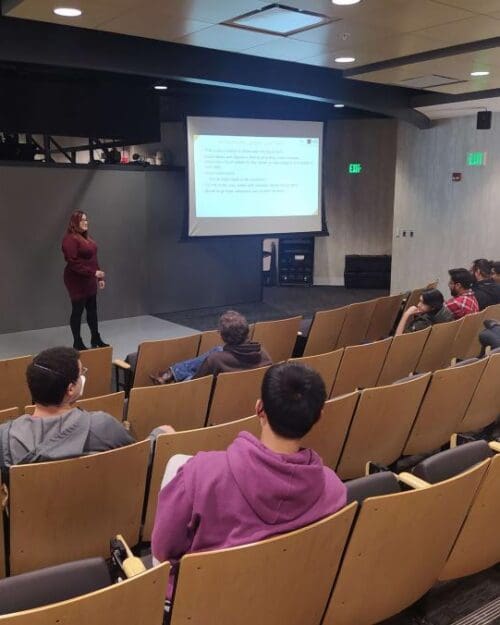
(367, 272)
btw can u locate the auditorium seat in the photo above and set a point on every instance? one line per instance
(380, 426)
(325, 331)
(285, 579)
(14, 390)
(384, 317)
(328, 435)
(208, 340)
(136, 601)
(234, 395)
(113, 404)
(484, 407)
(8, 414)
(356, 323)
(443, 407)
(375, 485)
(326, 365)
(184, 406)
(154, 356)
(466, 344)
(437, 352)
(403, 355)
(68, 510)
(214, 438)
(98, 362)
(397, 549)
(360, 366)
(277, 337)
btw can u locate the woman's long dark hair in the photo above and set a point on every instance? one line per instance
(74, 224)
(433, 298)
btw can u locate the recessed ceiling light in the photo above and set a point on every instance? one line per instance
(345, 2)
(161, 87)
(339, 106)
(345, 59)
(67, 12)
(480, 73)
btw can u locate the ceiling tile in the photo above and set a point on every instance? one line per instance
(42, 10)
(153, 25)
(463, 31)
(287, 49)
(226, 38)
(341, 33)
(477, 6)
(213, 11)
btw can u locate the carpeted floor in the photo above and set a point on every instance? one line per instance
(277, 303)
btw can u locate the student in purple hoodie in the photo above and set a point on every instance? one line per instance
(257, 488)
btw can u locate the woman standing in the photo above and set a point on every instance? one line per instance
(82, 276)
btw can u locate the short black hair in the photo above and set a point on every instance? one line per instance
(495, 266)
(433, 298)
(461, 276)
(233, 327)
(483, 266)
(293, 396)
(50, 373)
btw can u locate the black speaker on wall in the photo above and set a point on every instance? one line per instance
(483, 120)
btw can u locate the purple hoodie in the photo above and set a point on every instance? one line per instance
(245, 494)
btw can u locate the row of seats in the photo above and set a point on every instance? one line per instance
(365, 563)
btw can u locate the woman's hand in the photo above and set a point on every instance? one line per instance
(99, 274)
(101, 284)
(413, 310)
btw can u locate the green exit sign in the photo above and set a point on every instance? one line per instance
(355, 168)
(476, 159)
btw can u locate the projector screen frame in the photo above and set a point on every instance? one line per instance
(186, 236)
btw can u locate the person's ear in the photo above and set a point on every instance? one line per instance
(259, 411)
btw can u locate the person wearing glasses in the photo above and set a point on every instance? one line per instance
(57, 429)
(82, 278)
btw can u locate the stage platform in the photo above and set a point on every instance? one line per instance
(125, 334)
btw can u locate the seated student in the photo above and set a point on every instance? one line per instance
(495, 270)
(486, 290)
(257, 488)
(490, 336)
(463, 301)
(58, 429)
(429, 310)
(237, 354)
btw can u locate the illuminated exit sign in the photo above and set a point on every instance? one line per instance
(476, 159)
(355, 168)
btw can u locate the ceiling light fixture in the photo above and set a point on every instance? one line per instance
(345, 2)
(344, 59)
(339, 106)
(480, 73)
(67, 12)
(161, 87)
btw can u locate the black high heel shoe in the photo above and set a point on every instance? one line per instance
(98, 342)
(79, 345)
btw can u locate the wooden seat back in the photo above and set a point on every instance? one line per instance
(443, 407)
(98, 362)
(136, 601)
(484, 406)
(466, 343)
(437, 350)
(492, 312)
(263, 578)
(216, 438)
(325, 331)
(356, 323)
(8, 414)
(327, 437)
(14, 390)
(478, 544)
(326, 365)
(381, 425)
(360, 367)
(403, 356)
(277, 337)
(69, 509)
(235, 395)
(398, 548)
(113, 404)
(154, 356)
(384, 317)
(183, 405)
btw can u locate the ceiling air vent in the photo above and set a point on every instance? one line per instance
(424, 82)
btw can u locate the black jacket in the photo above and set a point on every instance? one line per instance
(487, 293)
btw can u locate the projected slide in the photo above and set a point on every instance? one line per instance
(253, 176)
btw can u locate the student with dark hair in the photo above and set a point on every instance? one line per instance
(257, 488)
(429, 310)
(463, 301)
(237, 354)
(495, 271)
(57, 430)
(486, 290)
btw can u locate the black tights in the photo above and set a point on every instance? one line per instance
(90, 303)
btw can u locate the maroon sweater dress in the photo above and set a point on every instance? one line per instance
(81, 264)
